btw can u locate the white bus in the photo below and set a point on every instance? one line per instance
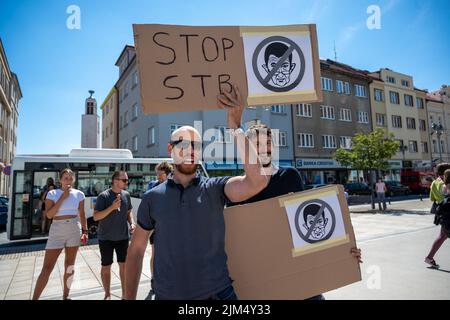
(93, 169)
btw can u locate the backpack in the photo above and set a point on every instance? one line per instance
(442, 215)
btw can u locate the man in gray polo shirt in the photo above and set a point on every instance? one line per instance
(113, 211)
(186, 213)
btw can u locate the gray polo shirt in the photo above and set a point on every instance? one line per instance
(190, 260)
(115, 226)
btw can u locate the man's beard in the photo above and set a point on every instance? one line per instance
(187, 171)
(266, 160)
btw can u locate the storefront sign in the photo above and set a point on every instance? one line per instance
(318, 164)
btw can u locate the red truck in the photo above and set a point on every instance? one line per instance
(418, 182)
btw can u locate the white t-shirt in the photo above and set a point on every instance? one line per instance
(380, 187)
(69, 207)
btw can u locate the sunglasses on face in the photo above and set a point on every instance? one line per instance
(184, 144)
(123, 180)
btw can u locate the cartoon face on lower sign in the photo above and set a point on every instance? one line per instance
(309, 216)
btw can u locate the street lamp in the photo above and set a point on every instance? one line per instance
(439, 129)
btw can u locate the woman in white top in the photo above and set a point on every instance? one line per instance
(66, 207)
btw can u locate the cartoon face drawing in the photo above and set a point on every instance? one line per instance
(309, 215)
(272, 56)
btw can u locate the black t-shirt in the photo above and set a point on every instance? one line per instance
(284, 181)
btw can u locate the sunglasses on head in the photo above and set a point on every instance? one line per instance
(184, 144)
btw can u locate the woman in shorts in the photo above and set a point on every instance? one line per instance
(66, 207)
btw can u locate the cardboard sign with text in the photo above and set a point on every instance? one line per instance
(291, 247)
(184, 68)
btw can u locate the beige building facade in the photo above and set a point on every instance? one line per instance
(110, 120)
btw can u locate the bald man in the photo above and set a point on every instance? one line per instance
(186, 213)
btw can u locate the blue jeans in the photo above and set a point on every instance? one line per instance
(381, 197)
(226, 294)
(318, 297)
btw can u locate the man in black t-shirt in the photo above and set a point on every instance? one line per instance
(282, 180)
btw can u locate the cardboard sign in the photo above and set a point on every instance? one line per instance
(184, 68)
(291, 247)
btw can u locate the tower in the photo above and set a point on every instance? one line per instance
(90, 124)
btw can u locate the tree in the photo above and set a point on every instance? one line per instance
(369, 152)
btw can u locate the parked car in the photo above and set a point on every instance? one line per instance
(357, 188)
(314, 186)
(395, 188)
(3, 211)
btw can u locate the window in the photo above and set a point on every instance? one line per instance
(435, 148)
(390, 79)
(345, 114)
(135, 143)
(395, 98)
(419, 102)
(363, 117)
(378, 95)
(174, 127)
(280, 138)
(345, 142)
(347, 88)
(327, 112)
(411, 123)
(106, 132)
(405, 83)
(151, 135)
(135, 111)
(223, 134)
(125, 89)
(413, 146)
(327, 84)
(360, 91)
(381, 119)
(396, 121)
(442, 146)
(339, 86)
(422, 125)
(125, 119)
(125, 144)
(305, 140)
(135, 79)
(409, 100)
(111, 128)
(304, 110)
(329, 142)
(424, 146)
(107, 108)
(279, 108)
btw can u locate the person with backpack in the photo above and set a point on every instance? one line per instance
(442, 217)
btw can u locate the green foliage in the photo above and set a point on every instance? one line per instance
(368, 151)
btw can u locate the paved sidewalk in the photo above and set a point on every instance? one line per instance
(19, 271)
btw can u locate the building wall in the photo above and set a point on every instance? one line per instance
(319, 127)
(403, 111)
(10, 94)
(437, 114)
(110, 112)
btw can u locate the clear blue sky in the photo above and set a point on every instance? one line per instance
(57, 66)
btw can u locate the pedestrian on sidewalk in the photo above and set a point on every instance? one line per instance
(381, 189)
(66, 207)
(436, 190)
(442, 212)
(163, 170)
(113, 212)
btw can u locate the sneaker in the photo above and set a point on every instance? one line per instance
(432, 263)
